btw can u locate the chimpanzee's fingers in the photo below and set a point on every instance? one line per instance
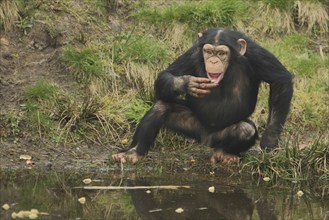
(202, 83)
(207, 85)
(200, 80)
(199, 92)
(230, 159)
(193, 84)
(118, 157)
(130, 156)
(133, 158)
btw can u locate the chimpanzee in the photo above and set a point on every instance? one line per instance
(210, 91)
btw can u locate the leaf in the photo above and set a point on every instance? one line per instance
(179, 210)
(13, 215)
(211, 189)
(82, 200)
(124, 141)
(300, 193)
(5, 206)
(266, 179)
(33, 215)
(23, 214)
(87, 181)
(36, 211)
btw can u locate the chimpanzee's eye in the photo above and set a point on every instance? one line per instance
(221, 53)
(209, 52)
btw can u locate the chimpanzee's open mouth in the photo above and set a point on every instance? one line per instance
(215, 77)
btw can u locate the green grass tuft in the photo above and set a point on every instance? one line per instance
(136, 111)
(142, 49)
(42, 90)
(290, 163)
(85, 63)
(198, 16)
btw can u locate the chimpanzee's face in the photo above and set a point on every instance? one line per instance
(216, 59)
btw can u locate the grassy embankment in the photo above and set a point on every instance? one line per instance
(115, 66)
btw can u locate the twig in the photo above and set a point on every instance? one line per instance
(131, 187)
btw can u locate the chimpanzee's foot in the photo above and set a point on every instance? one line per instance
(224, 158)
(130, 155)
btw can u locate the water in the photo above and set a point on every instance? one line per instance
(55, 195)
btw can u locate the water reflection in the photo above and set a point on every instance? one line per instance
(55, 195)
(196, 204)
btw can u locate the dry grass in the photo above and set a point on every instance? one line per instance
(269, 20)
(8, 13)
(309, 16)
(312, 15)
(142, 77)
(175, 36)
(308, 109)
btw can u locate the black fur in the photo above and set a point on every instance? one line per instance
(216, 118)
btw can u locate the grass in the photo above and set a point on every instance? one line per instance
(140, 49)
(265, 17)
(196, 15)
(85, 63)
(291, 163)
(40, 99)
(136, 110)
(9, 13)
(42, 90)
(313, 15)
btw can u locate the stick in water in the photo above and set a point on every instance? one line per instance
(132, 187)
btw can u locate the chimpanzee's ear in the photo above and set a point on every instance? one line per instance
(242, 46)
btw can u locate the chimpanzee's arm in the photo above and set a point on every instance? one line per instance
(270, 70)
(181, 78)
(279, 104)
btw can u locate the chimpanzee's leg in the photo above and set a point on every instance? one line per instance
(176, 116)
(228, 143)
(231, 141)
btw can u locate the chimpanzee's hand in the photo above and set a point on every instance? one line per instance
(198, 86)
(270, 139)
(130, 155)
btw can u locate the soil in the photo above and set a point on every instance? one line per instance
(24, 60)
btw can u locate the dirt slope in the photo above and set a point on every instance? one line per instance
(24, 60)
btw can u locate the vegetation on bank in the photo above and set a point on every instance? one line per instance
(114, 50)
